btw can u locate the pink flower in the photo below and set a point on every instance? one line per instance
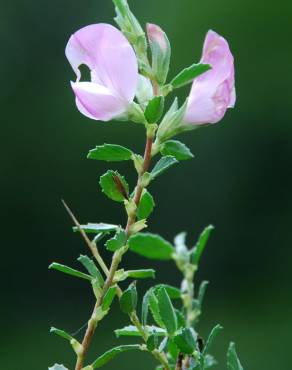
(212, 92)
(114, 71)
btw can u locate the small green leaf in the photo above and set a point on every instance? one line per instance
(69, 271)
(166, 311)
(154, 308)
(110, 153)
(132, 331)
(129, 298)
(198, 250)
(117, 242)
(58, 367)
(173, 292)
(97, 228)
(146, 205)
(151, 246)
(187, 75)
(162, 165)
(91, 268)
(141, 274)
(109, 355)
(181, 320)
(212, 335)
(176, 149)
(108, 298)
(114, 186)
(61, 333)
(202, 290)
(233, 362)
(186, 340)
(145, 308)
(154, 109)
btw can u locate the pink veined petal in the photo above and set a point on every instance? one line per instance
(109, 55)
(97, 102)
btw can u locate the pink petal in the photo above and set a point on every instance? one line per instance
(96, 101)
(109, 55)
(212, 92)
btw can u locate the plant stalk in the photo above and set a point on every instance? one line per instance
(92, 323)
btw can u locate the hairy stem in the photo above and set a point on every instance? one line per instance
(92, 324)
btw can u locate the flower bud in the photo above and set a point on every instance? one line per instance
(161, 52)
(131, 28)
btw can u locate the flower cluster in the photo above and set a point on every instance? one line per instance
(116, 82)
(126, 85)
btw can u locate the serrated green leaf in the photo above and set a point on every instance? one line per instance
(188, 74)
(145, 308)
(166, 311)
(132, 331)
(58, 367)
(212, 335)
(108, 298)
(176, 149)
(162, 165)
(154, 109)
(110, 153)
(199, 248)
(186, 340)
(100, 228)
(109, 355)
(61, 333)
(69, 271)
(151, 246)
(233, 362)
(114, 186)
(146, 205)
(128, 300)
(173, 292)
(154, 308)
(91, 268)
(141, 274)
(117, 242)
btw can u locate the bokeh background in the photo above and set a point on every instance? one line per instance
(240, 180)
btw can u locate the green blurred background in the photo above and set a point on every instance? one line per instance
(240, 180)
